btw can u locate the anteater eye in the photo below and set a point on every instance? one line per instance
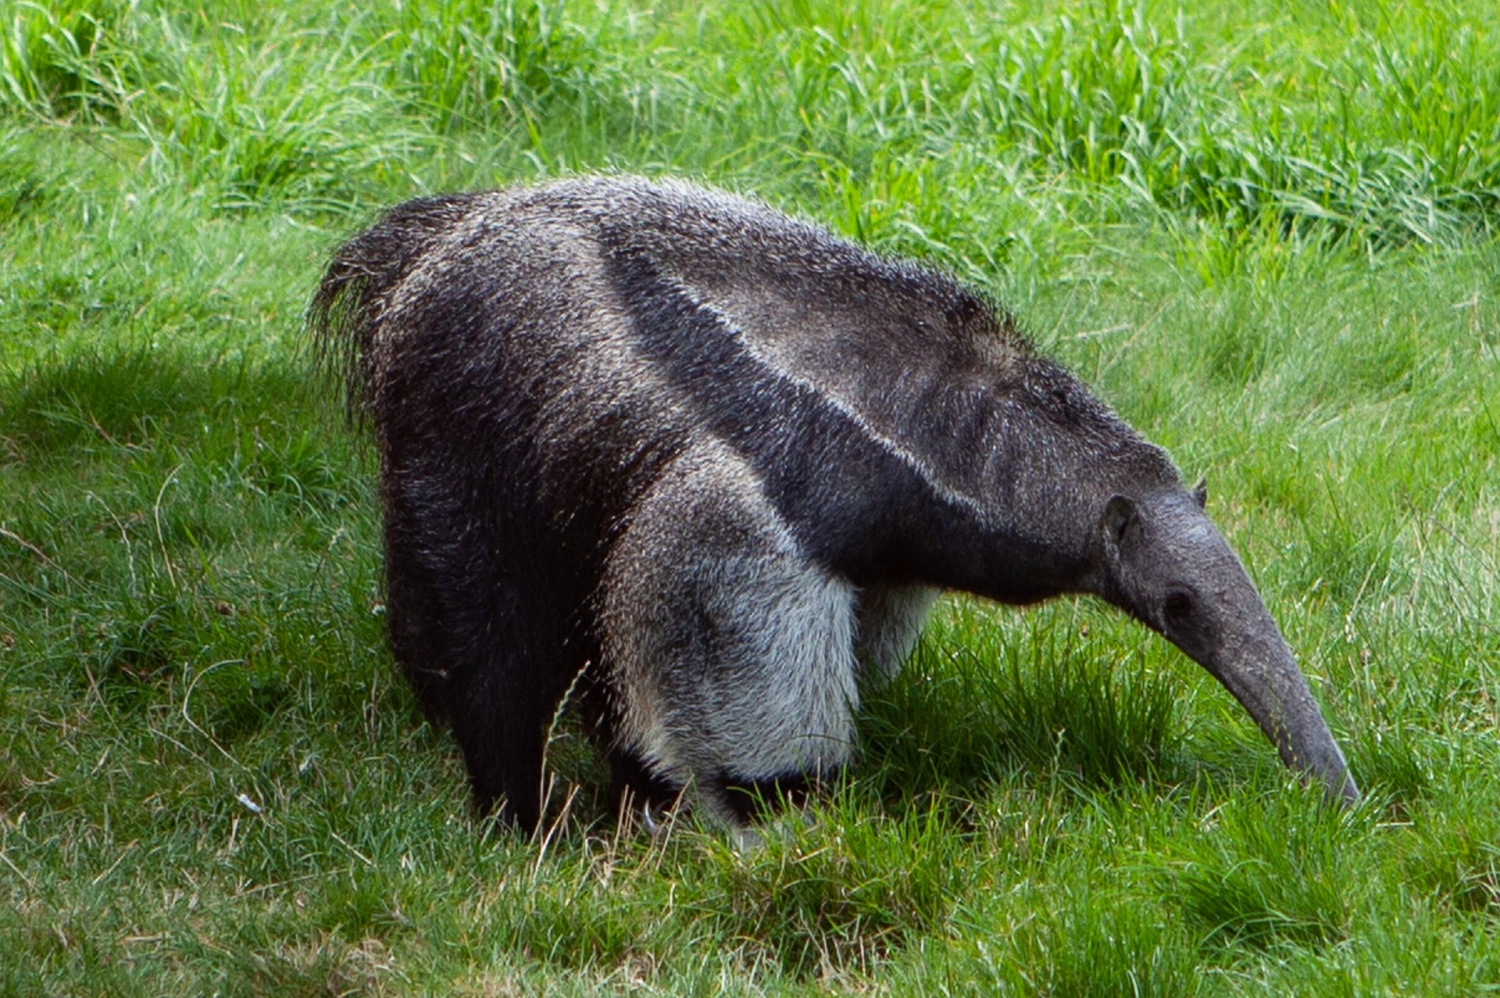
(1178, 608)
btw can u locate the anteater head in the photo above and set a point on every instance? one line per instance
(1161, 560)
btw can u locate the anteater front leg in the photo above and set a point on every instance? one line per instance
(889, 622)
(730, 652)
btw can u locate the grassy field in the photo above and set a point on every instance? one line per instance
(1264, 230)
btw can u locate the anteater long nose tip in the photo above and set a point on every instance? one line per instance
(1345, 794)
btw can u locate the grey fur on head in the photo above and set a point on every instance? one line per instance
(720, 463)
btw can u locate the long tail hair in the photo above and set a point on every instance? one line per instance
(356, 291)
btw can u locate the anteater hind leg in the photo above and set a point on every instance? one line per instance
(504, 701)
(731, 653)
(488, 651)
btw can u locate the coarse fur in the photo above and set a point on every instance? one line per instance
(720, 463)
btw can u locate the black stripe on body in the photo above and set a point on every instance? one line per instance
(853, 504)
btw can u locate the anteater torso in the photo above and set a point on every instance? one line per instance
(716, 455)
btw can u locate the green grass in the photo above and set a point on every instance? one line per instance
(1264, 230)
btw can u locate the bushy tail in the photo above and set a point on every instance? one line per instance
(357, 289)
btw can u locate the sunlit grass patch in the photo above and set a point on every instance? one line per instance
(1089, 944)
(841, 894)
(285, 114)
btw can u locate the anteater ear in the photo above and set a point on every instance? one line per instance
(1200, 493)
(1120, 516)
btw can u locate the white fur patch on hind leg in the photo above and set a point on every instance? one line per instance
(789, 693)
(732, 653)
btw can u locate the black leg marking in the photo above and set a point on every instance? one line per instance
(748, 801)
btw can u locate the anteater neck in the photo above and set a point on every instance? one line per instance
(1021, 524)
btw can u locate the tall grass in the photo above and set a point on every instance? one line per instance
(1264, 231)
(1395, 140)
(59, 60)
(1391, 138)
(468, 63)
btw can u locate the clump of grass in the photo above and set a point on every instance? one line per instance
(1090, 95)
(1105, 95)
(1266, 869)
(1459, 859)
(1090, 945)
(133, 652)
(838, 895)
(1429, 79)
(475, 63)
(1091, 715)
(58, 60)
(22, 187)
(1350, 560)
(284, 115)
(93, 399)
(1394, 763)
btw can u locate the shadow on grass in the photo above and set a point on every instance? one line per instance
(134, 398)
(1034, 697)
